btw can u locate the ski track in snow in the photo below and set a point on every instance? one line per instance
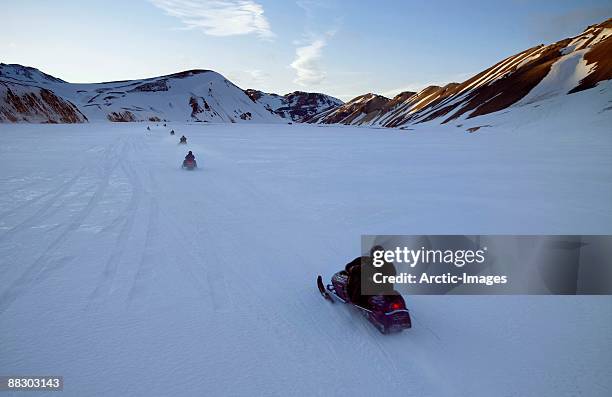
(33, 271)
(145, 269)
(120, 265)
(114, 260)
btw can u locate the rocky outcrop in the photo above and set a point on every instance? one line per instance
(598, 59)
(125, 116)
(23, 103)
(298, 106)
(154, 86)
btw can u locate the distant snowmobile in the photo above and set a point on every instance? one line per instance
(148, 128)
(183, 140)
(172, 132)
(387, 313)
(190, 162)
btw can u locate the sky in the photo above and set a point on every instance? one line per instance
(343, 48)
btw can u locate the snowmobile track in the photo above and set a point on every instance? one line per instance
(150, 252)
(105, 285)
(33, 271)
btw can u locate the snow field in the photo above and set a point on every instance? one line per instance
(127, 275)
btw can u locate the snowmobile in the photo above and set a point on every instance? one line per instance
(183, 140)
(388, 313)
(172, 132)
(189, 164)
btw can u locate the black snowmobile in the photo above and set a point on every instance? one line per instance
(388, 313)
(172, 132)
(183, 140)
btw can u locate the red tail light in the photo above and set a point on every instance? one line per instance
(395, 306)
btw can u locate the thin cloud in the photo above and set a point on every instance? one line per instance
(219, 17)
(311, 6)
(308, 54)
(307, 63)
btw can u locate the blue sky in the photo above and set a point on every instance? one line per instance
(339, 47)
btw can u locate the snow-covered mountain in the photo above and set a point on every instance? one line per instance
(362, 110)
(297, 106)
(536, 74)
(539, 73)
(22, 102)
(27, 94)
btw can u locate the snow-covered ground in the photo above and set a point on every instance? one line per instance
(130, 276)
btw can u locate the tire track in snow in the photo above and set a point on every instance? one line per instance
(151, 251)
(56, 194)
(33, 271)
(45, 209)
(105, 285)
(251, 299)
(191, 272)
(115, 223)
(34, 183)
(145, 268)
(27, 203)
(214, 277)
(187, 270)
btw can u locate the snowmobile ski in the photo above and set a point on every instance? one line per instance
(322, 289)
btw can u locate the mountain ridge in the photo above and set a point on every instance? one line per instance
(298, 106)
(542, 71)
(199, 95)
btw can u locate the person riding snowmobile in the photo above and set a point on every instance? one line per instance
(190, 161)
(362, 268)
(183, 139)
